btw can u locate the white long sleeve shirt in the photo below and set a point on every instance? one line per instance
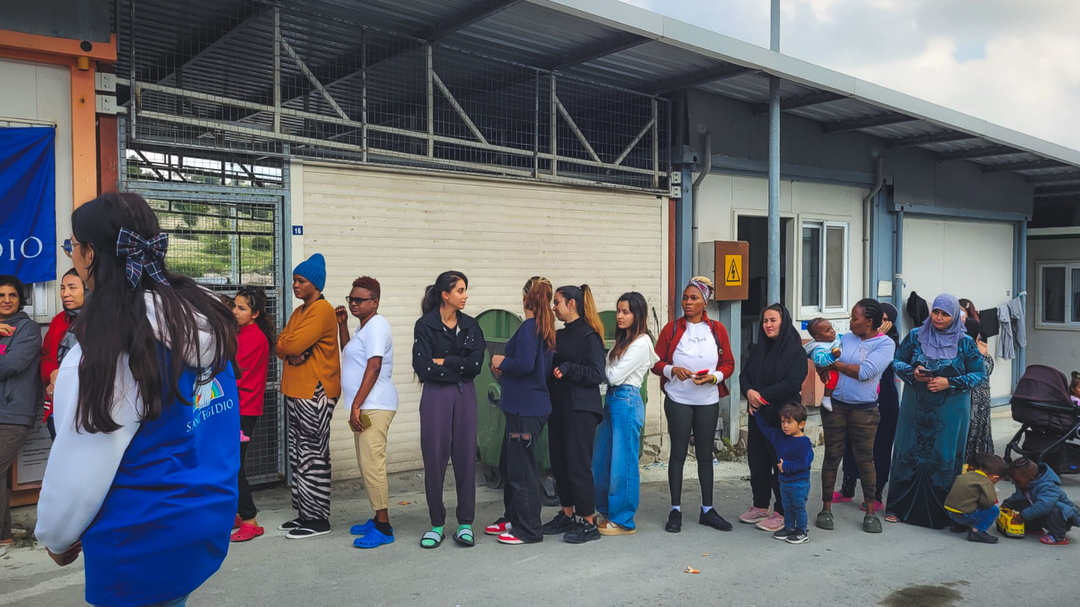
(631, 367)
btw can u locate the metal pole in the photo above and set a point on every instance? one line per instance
(277, 69)
(655, 145)
(363, 94)
(430, 103)
(773, 295)
(536, 128)
(1021, 287)
(554, 129)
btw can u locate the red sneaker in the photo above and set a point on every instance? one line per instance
(509, 538)
(499, 527)
(1049, 540)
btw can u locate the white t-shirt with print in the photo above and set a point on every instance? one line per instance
(373, 339)
(696, 351)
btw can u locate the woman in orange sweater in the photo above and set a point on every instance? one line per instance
(311, 383)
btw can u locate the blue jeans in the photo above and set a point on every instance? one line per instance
(615, 459)
(794, 494)
(980, 520)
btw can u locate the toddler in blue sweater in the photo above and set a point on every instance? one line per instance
(794, 452)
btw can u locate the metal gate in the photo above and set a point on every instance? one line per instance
(224, 215)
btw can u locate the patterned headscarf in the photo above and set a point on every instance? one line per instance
(703, 284)
(944, 344)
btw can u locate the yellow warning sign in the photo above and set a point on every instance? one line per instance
(732, 270)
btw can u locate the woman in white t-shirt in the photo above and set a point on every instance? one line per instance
(618, 439)
(367, 363)
(695, 359)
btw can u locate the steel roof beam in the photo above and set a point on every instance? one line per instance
(1054, 177)
(794, 103)
(705, 76)
(207, 39)
(470, 16)
(1026, 165)
(592, 52)
(867, 123)
(987, 152)
(1053, 191)
(917, 140)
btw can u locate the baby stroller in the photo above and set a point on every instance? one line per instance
(1050, 430)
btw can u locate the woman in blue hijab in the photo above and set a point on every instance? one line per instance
(940, 365)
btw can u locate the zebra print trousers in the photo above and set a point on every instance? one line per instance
(309, 453)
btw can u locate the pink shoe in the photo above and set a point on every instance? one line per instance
(774, 523)
(878, 506)
(839, 497)
(753, 515)
(244, 438)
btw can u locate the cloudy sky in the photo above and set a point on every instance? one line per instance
(1013, 62)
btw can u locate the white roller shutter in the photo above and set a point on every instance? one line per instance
(970, 259)
(405, 228)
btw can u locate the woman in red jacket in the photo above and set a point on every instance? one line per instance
(253, 357)
(60, 338)
(695, 359)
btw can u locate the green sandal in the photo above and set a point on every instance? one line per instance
(871, 524)
(432, 539)
(825, 521)
(464, 536)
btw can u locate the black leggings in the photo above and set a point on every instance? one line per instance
(701, 420)
(246, 506)
(761, 458)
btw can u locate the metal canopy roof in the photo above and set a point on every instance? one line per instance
(610, 42)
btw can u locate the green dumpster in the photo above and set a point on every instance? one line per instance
(498, 327)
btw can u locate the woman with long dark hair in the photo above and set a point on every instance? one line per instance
(940, 365)
(142, 475)
(695, 359)
(253, 357)
(60, 337)
(20, 348)
(311, 383)
(980, 433)
(618, 440)
(865, 355)
(771, 378)
(576, 411)
(448, 349)
(525, 404)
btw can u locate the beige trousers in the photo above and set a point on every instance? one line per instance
(371, 457)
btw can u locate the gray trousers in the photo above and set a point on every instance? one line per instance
(12, 438)
(448, 433)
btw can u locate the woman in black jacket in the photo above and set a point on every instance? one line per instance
(772, 377)
(448, 349)
(576, 411)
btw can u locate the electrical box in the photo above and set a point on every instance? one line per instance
(731, 265)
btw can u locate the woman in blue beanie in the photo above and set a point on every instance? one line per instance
(311, 383)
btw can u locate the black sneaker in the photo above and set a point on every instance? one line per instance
(783, 534)
(959, 528)
(583, 531)
(713, 519)
(558, 525)
(981, 537)
(798, 537)
(674, 521)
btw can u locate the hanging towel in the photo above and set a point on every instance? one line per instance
(1013, 323)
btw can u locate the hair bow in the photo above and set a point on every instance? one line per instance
(142, 254)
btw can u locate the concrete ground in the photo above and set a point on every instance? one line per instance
(903, 566)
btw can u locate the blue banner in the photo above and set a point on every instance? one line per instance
(28, 203)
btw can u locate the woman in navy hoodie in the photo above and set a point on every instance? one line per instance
(526, 404)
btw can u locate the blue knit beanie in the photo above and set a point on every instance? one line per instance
(314, 270)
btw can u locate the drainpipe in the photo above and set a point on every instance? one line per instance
(867, 203)
(694, 200)
(898, 262)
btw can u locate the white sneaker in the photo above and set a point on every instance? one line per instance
(6, 547)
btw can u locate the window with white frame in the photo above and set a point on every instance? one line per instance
(824, 267)
(1059, 294)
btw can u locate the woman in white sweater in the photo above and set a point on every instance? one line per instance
(615, 463)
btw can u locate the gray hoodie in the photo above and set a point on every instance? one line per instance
(20, 385)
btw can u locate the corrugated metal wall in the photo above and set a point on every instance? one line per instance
(403, 229)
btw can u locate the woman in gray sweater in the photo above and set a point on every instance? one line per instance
(20, 351)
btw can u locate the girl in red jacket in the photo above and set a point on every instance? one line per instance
(253, 357)
(695, 359)
(60, 338)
